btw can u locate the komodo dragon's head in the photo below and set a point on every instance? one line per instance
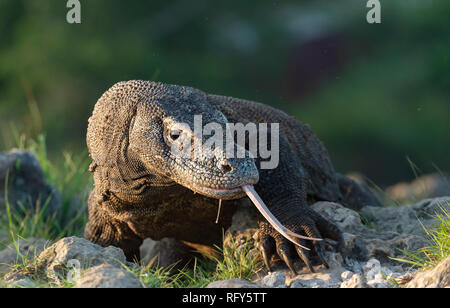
(137, 135)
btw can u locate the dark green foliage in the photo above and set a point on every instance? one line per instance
(383, 97)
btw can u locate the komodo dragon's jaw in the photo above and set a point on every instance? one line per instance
(227, 186)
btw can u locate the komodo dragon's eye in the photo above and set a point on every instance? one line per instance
(174, 134)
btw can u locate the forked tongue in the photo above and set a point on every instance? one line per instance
(262, 208)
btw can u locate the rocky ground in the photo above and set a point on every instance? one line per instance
(364, 262)
(366, 259)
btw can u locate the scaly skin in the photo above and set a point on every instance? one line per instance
(142, 190)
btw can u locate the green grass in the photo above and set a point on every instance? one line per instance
(232, 262)
(28, 265)
(439, 248)
(70, 176)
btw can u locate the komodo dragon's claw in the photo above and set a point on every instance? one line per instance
(274, 235)
(288, 234)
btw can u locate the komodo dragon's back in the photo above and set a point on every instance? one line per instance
(322, 181)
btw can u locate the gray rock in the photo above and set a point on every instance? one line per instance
(312, 283)
(347, 219)
(427, 186)
(108, 276)
(233, 283)
(376, 275)
(81, 253)
(366, 252)
(322, 278)
(165, 253)
(24, 283)
(353, 265)
(372, 274)
(18, 280)
(334, 259)
(407, 219)
(355, 281)
(26, 248)
(438, 277)
(274, 280)
(361, 243)
(26, 185)
(346, 275)
(146, 250)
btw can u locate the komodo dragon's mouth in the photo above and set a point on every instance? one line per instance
(220, 193)
(227, 190)
(248, 189)
(223, 191)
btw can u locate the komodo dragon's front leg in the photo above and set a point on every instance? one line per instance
(284, 191)
(105, 230)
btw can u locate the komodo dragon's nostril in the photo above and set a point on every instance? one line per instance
(226, 167)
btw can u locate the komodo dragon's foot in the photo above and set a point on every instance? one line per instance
(307, 223)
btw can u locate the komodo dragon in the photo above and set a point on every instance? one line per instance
(144, 190)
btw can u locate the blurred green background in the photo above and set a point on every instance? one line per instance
(374, 93)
